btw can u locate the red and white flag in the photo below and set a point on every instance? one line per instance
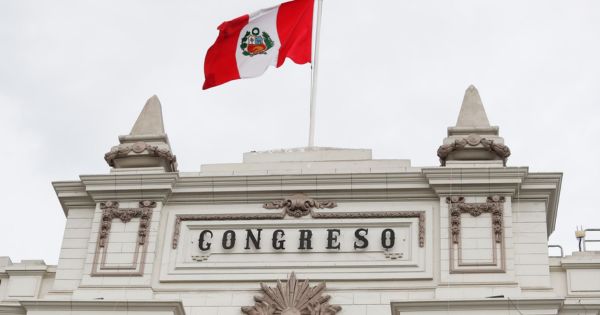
(248, 45)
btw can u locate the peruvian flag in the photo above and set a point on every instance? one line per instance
(248, 45)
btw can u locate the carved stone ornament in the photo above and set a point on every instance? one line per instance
(299, 205)
(292, 298)
(473, 140)
(494, 205)
(140, 147)
(110, 211)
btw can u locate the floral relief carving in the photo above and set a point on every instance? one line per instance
(299, 205)
(111, 210)
(499, 149)
(124, 150)
(292, 298)
(493, 205)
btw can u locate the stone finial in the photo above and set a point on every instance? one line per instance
(473, 139)
(147, 145)
(472, 113)
(150, 120)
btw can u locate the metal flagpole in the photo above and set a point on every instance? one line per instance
(313, 80)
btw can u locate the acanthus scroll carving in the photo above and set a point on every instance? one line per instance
(493, 205)
(123, 150)
(299, 205)
(111, 210)
(499, 149)
(292, 298)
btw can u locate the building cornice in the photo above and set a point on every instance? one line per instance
(341, 187)
(72, 194)
(581, 304)
(544, 187)
(12, 309)
(156, 186)
(479, 304)
(176, 307)
(420, 184)
(448, 181)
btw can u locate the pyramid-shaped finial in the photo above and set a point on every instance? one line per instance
(147, 145)
(473, 139)
(150, 120)
(472, 113)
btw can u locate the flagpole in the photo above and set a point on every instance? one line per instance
(313, 80)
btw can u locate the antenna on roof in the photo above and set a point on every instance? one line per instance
(580, 235)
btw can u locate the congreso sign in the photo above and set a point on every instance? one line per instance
(309, 231)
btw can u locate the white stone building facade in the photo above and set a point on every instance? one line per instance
(370, 236)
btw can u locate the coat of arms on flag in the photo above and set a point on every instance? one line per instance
(248, 45)
(284, 31)
(254, 43)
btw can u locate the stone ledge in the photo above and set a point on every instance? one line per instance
(479, 304)
(83, 307)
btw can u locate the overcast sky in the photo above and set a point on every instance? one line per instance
(75, 74)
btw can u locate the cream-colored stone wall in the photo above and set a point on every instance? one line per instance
(531, 245)
(418, 280)
(73, 253)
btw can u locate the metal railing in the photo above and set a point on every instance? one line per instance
(562, 252)
(586, 240)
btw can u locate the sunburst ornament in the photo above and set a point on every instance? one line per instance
(292, 298)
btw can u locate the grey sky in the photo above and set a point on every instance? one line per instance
(75, 74)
